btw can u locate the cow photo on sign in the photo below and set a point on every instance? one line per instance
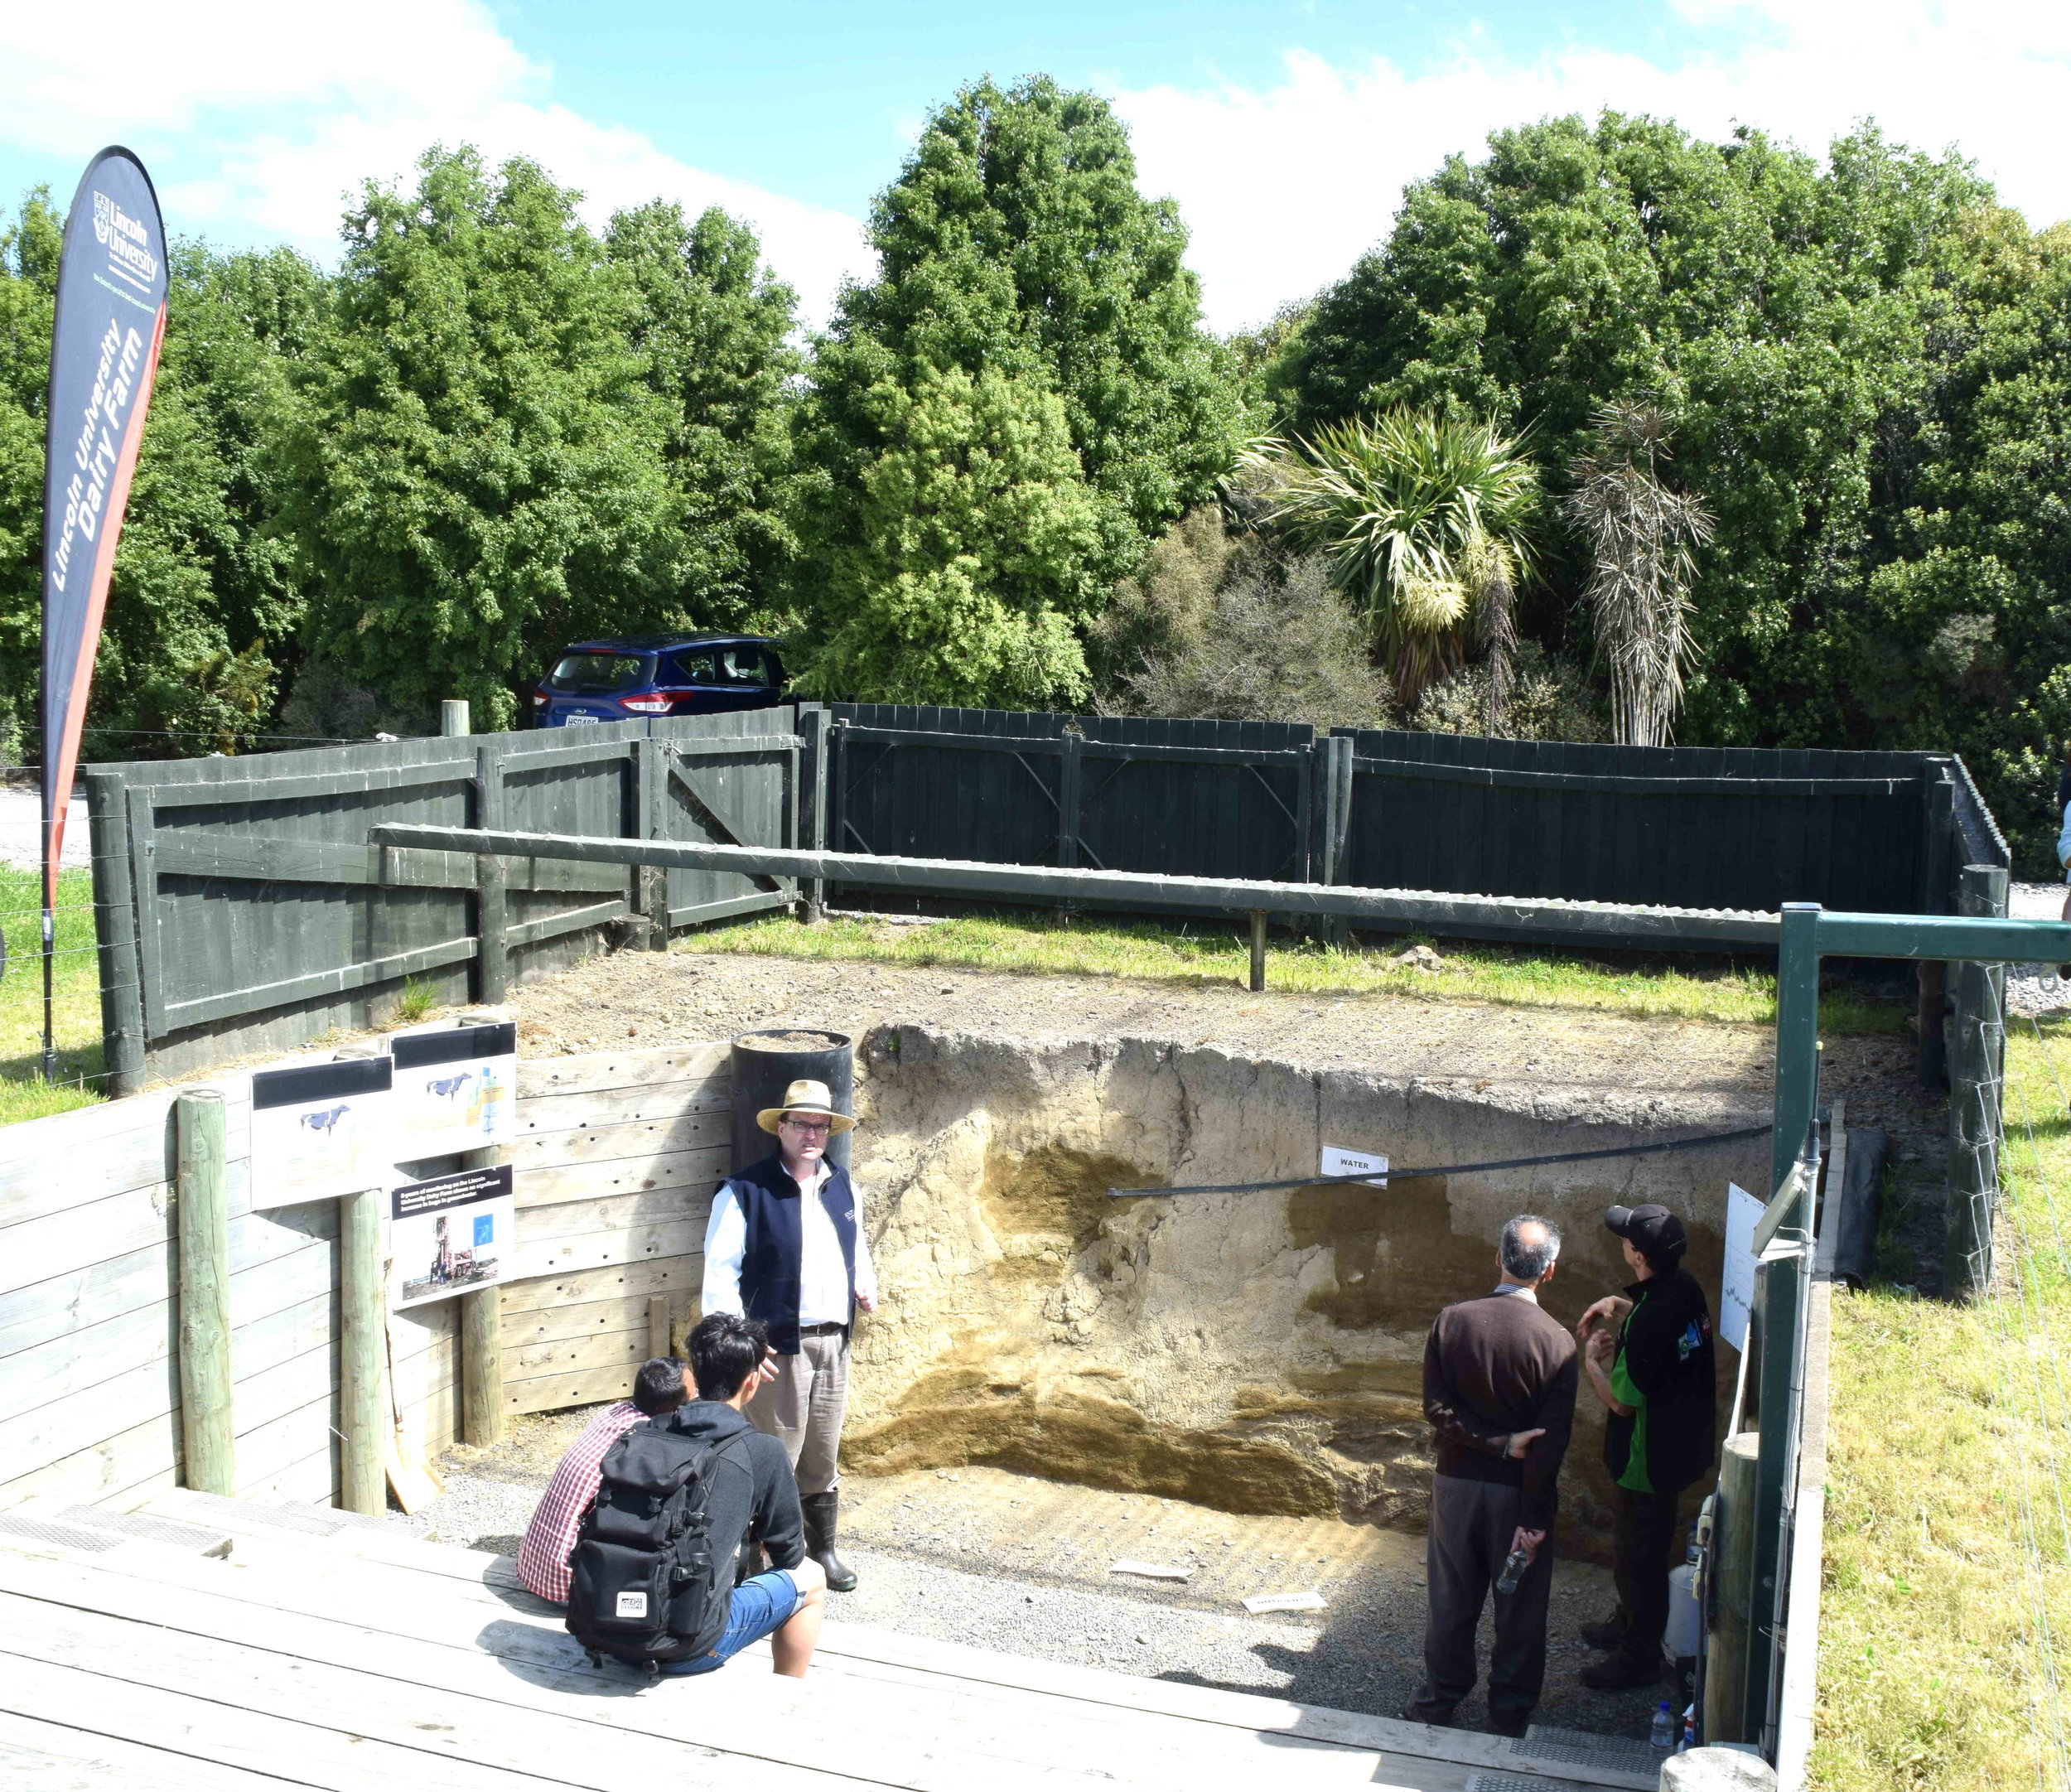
(318, 1129)
(456, 1088)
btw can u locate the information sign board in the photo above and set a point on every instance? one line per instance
(319, 1129)
(450, 1234)
(456, 1088)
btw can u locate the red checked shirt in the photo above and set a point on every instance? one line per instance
(543, 1558)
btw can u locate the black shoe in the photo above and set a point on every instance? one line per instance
(822, 1512)
(1509, 1722)
(1439, 1717)
(1608, 1635)
(1627, 1667)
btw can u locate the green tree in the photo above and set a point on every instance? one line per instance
(712, 327)
(1780, 311)
(480, 461)
(1427, 522)
(1023, 277)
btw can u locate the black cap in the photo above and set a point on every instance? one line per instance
(1655, 1233)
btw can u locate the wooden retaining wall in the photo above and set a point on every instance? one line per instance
(618, 1156)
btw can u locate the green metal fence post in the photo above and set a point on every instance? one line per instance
(1977, 1048)
(1797, 1096)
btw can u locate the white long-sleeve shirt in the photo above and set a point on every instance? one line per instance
(823, 1293)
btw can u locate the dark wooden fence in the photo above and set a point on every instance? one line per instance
(241, 909)
(1709, 827)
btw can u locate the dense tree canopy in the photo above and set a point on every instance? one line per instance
(1024, 283)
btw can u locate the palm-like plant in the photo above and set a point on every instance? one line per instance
(1644, 539)
(1425, 520)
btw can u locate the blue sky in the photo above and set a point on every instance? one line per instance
(1284, 131)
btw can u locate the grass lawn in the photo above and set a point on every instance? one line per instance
(1946, 1600)
(23, 1094)
(1209, 953)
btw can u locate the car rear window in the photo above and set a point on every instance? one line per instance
(596, 672)
(722, 665)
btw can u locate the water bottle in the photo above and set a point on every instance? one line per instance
(1513, 1567)
(1662, 1734)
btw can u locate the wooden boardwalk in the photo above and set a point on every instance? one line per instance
(362, 1659)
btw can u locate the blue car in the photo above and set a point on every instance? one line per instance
(633, 675)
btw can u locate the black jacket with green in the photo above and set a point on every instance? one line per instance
(1666, 1348)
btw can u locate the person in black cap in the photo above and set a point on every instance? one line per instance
(1655, 1377)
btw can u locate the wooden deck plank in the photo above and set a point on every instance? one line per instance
(509, 1694)
(460, 1740)
(622, 1138)
(584, 1071)
(556, 1257)
(640, 1101)
(657, 1275)
(40, 1756)
(700, 1171)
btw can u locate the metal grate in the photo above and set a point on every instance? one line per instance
(149, 1529)
(336, 1517)
(1513, 1782)
(64, 1536)
(1585, 1748)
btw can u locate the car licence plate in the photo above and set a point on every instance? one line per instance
(575, 718)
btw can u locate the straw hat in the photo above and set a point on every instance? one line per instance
(806, 1096)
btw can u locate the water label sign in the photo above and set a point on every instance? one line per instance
(319, 1129)
(450, 1234)
(456, 1088)
(1371, 1165)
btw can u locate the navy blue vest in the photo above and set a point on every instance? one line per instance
(769, 1264)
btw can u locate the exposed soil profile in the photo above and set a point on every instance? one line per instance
(1261, 1353)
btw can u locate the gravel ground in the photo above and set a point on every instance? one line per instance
(2036, 988)
(932, 1549)
(21, 827)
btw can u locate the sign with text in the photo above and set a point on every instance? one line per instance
(450, 1234)
(1736, 1297)
(1369, 1165)
(456, 1088)
(319, 1129)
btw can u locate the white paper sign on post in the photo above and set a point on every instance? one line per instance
(319, 1129)
(456, 1088)
(1736, 1297)
(1371, 1165)
(450, 1234)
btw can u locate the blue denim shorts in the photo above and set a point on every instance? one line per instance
(759, 1606)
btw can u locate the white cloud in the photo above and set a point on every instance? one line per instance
(1284, 188)
(258, 120)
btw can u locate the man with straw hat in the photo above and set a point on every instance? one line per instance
(786, 1245)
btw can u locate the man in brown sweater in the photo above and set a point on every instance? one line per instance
(1500, 1381)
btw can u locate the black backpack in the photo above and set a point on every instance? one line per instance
(643, 1585)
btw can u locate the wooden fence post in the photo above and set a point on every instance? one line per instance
(207, 1434)
(115, 933)
(1976, 1044)
(650, 822)
(813, 728)
(453, 718)
(482, 1366)
(1257, 949)
(492, 900)
(1068, 783)
(1731, 1575)
(363, 1417)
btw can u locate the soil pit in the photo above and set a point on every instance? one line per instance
(1257, 1353)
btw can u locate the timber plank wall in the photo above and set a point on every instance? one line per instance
(241, 908)
(616, 1160)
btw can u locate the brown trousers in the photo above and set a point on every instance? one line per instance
(804, 1408)
(1472, 1523)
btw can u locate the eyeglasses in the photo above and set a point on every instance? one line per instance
(806, 1126)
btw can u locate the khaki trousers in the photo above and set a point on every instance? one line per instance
(803, 1407)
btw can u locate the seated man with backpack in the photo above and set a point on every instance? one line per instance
(651, 1572)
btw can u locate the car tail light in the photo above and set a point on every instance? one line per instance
(538, 699)
(654, 703)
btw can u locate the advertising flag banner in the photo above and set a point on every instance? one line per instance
(110, 322)
(450, 1234)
